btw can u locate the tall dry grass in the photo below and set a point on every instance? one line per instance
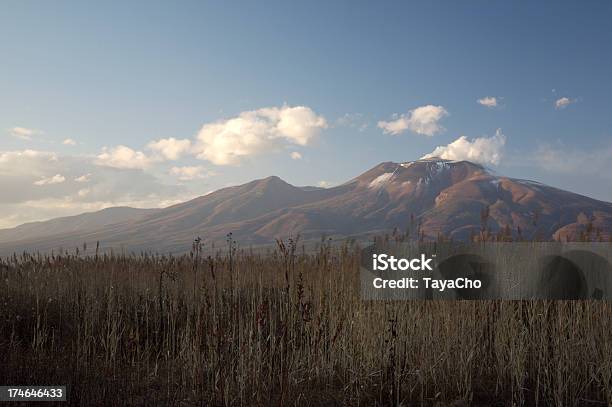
(284, 328)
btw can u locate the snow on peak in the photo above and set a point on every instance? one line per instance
(381, 180)
(439, 166)
(436, 160)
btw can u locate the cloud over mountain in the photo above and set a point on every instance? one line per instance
(483, 150)
(190, 173)
(423, 120)
(170, 148)
(41, 184)
(257, 131)
(123, 157)
(563, 159)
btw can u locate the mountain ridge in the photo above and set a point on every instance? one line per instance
(65, 224)
(444, 197)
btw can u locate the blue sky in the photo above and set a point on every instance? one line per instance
(79, 80)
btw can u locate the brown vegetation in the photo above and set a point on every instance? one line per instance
(284, 328)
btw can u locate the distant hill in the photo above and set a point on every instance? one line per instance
(441, 196)
(73, 224)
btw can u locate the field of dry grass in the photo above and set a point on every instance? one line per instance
(284, 328)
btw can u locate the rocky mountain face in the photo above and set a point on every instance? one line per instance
(437, 197)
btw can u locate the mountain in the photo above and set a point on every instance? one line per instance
(73, 224)
(441, 196)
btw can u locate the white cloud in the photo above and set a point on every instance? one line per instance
(15, 156)
(488, 101)
(563, 102)
(56, 179)
(324, 184)
(170, 148)
(23, 132)
(69, 142)
(257, 131)
(190, 173)
(227, 141)
(83, 192)
(422, 120)
(296, 155)
(31, 191)
(20, 171)
(83, 178)
(483, 150)
(123, 157)
(567, 160)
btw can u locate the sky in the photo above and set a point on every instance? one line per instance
(148, 104)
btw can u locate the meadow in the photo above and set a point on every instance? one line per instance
(284, 327)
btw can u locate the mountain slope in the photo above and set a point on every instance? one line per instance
(441, 196)
(73, 224)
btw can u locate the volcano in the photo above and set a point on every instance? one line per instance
(433, 197)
